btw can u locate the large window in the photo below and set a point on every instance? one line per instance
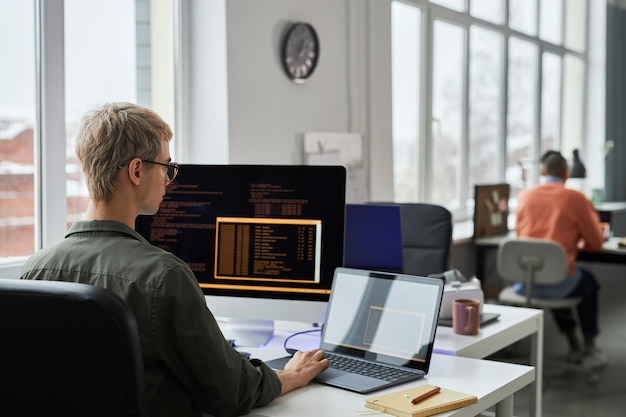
(485, 105)
(521, 109)
(550, 102)
(100, 53)
(489, 10)
(523, 16)
(551, 21)
(406, 55)
(17, 128)
(100, 66)
(447, 110)
(504, 81)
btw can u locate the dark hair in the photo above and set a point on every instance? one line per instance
(554, 163)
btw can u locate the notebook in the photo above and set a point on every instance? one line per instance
(399, 403)
(378, 319)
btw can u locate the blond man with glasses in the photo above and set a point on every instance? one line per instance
(190, 369)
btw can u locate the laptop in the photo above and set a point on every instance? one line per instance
(378, 320)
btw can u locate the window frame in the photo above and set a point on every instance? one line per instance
(49, 139)
(50, 135)
(432, 12)
(50, 193)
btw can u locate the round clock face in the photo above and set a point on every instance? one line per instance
(300, 52)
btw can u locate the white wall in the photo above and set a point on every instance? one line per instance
(239, 107)
(267, 111)
(263, 114)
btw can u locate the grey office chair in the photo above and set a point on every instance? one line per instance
(542, 262)
(532, 261)
(426, 238)
(68, 349)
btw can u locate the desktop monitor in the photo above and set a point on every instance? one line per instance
(373, 238)
(491, 209)
(262, 240)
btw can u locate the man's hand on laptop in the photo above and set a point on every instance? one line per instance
(301, 369)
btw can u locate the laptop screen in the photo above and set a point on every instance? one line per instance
(390, 318)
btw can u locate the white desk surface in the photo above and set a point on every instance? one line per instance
(611, 245)
(514, 323)
(494, 383)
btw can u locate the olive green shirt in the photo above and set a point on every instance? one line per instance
(189, 367)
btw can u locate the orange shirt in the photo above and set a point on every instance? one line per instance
(552, 211)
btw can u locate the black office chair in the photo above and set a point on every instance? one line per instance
(68, 349)
(426, 238)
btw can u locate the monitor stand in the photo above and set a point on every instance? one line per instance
(247, 332)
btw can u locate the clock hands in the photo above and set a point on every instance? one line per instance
(300, 52)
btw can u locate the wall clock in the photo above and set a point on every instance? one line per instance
(300, 51)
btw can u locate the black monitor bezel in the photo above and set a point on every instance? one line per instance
(319, 178)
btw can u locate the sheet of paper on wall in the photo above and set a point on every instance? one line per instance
(331, 157)
(327, 148)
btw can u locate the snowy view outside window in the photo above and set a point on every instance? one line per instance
(100, 65)
(17, 121)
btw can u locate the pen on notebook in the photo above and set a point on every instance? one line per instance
(425, 395)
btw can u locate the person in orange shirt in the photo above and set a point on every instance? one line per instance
(552, 211)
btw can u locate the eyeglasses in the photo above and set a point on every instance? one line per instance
(171, 172)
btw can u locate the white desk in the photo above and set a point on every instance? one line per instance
(494, 383)
(610, 252)
(514, 324)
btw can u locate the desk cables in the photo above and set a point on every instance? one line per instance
(292, 351)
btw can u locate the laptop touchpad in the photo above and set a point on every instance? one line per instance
(347, 380)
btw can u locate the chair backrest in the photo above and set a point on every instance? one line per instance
(426, 238)
(68, 349)
(532, 261)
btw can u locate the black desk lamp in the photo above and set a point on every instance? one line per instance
(577, 168)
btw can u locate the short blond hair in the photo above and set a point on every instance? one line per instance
(113, 135)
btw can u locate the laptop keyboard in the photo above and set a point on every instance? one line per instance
(356, 366)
